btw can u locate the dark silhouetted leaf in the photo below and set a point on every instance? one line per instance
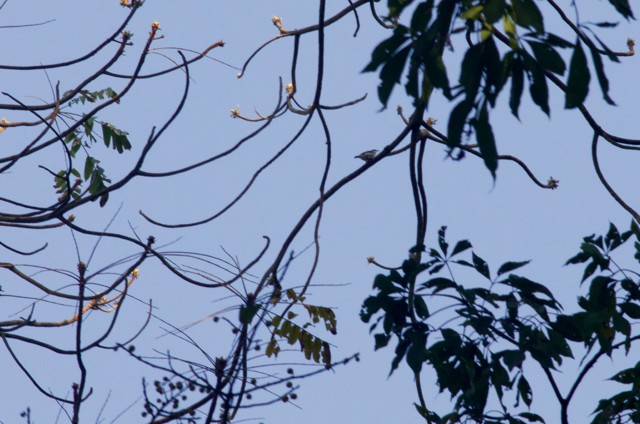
(528, 286)
(457, 121)
(486, 141)
(602, 77)
(538, 84)
(421, 16)
(606, 24)
(630, 309)
(524, 390)
(528, 15)
(481, 266)
(460, 247)
(469, 70)
(548, 57)
(622, 6)
(421, 307)
(531, 417)
(439, 283)
(511, 266)
(437, 72)
(557, 41)
(579, 76)
(391, 73)
(442, 241)
(385, 50)
(517, 85)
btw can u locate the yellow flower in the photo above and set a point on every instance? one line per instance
(3, 125)
(155, 25)
(289, 87)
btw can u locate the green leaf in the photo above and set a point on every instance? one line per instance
(391, 73)
(451, 338)
(89, 165)
(248, 311)
(472, 13)
(106, 133)
(622, 6)
(461, 246)
(469, 70)
(511, 266)
(381, 340)
(531, 417)
(557, 41)
(613, 238)
(589, 270)
(493, 10)
(538, 84)
(486, 141)
(437, 71)
(631, 287)
(524, 390)
(421, 307)
(272, 348)
(385, 50)
(572, 327)
(606, 24)
(630, 309)
(559, 343)
(481, 266)
(627, 376)
(441, 240)
(517, 85)
(439, 283)
(579, 76)
(528, 15)
(400, 351)
(548, 57)
(492, 70)
(525, 285)
(621, 325)
(603, 81)
(88, 125)
(397, 6)
(457, 121)
(421, 16)
(601, 293)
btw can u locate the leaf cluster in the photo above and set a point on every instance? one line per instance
(313, 347)
(486, 329)
(506, 42)
(83, 138)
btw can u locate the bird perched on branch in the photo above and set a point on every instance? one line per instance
(368, 155)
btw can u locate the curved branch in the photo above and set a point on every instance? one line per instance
(92, 53)
(605, 183)
(296, 32)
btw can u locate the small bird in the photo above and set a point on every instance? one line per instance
(368, 155)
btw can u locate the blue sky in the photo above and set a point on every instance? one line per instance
(509, 219)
